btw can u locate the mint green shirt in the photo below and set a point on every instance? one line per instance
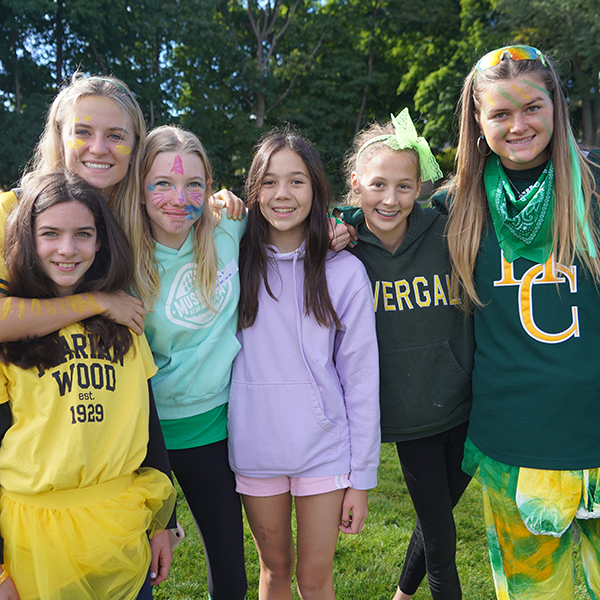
(193, 346)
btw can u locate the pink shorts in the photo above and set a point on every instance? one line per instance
(297, 486)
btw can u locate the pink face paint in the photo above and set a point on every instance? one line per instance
(177, 165)
(157, 198)
(196, 198)
(181, 199)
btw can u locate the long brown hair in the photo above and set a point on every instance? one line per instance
(468, 200)
(111, 271)
(253, 255)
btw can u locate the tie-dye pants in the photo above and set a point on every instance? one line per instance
(533, 519)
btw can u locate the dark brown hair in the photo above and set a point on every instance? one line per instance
(111, 271)
(253, 255)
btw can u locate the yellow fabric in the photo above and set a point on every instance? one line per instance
(548, 500)
(75, 511)
(7, 202)
(96, 551)
(78, 424)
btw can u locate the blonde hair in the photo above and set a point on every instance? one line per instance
(355, 163)
(49, 153)
(169, 138)
(466, 192)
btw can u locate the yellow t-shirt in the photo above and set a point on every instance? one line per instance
(7, 202)
(81, 423)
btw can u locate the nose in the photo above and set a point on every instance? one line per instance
(67, 246)
(282, 192)
(519, 123)
(98, 145)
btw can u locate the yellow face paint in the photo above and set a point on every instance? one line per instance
(521, 92)
(488, 97)
(88, 117)
(75, 144)
(124, 150)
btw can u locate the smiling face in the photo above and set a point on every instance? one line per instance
(388, 187)
(517, 117)
(174, 195)
(285, 199)
(98, 140)
(66, 243)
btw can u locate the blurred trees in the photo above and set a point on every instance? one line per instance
(229, 70)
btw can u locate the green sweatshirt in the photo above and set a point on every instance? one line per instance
(425, 341)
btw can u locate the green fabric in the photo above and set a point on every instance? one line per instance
(199, 430)
(425, 341)
(536, 398)
(523, 225)
(405, 138)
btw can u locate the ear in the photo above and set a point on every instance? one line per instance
(354, 181)
(98, 245)
(418, 191)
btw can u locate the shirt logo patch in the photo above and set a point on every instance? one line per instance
(184, 308)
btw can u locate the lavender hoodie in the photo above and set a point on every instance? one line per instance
(304, 398)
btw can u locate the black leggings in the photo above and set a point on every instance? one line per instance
(435, 480)
(209, 488)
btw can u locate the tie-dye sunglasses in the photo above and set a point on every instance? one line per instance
(493, 58)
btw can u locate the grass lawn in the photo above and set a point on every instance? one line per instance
(367, 566)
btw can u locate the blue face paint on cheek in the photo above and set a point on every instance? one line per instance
(194, 212)
(151, 187)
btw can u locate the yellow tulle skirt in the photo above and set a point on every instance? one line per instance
(85, 544)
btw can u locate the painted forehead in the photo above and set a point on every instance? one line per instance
(516, 91)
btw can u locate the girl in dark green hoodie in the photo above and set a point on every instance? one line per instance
(425, 342)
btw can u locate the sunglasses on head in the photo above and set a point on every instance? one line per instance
(493, 58)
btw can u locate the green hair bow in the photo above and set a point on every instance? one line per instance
(404, 138)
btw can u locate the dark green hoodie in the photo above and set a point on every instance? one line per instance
(425, 341)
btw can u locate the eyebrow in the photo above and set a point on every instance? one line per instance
(80, 125)
(55, 228)
(292, 173)
(159, 176)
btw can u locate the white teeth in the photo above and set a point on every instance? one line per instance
(520, 141)
(284, 210)
(386, 213)
(66, 265)
(98, 166)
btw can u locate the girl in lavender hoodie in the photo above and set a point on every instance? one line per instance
(304, 407)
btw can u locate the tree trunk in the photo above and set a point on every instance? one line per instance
(59, 42)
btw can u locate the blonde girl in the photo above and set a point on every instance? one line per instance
(94, 128)
(192, 251)
(523, 239)
(425, 342)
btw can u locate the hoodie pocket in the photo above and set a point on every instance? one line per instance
(278, 428)
(422, 386)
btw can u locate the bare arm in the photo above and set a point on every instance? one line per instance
(21, 318)
(8, 590)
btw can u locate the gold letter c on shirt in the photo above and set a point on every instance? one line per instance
(547, 273)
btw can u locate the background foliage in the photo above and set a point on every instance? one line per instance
(230, 70)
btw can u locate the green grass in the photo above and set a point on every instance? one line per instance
(366, 566)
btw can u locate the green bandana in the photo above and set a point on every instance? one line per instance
(523, 225)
